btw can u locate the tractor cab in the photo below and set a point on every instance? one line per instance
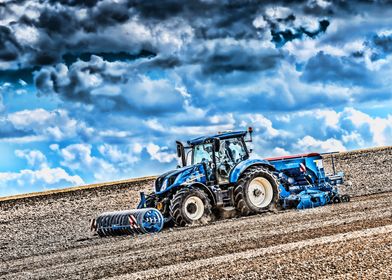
(219, 154)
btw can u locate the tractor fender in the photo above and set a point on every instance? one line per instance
(207, 190)
(198, 185)
(237, 171)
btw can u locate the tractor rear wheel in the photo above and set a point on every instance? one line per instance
(256, 191)
(190, 206)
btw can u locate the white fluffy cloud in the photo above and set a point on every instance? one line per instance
(79, 158)
(27, 180)
(128, 156)
(40, 177)
(195, 122)
(110, 162)
(379, 128)
(35, 159)
(262, 125)
(321, 130)
(160, 154)
(310, 144)
(54, 125)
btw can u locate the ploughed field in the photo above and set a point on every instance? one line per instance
(47, 236)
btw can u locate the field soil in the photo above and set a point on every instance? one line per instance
(47, 236)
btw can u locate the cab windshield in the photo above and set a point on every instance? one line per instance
(202, 152)
(230, 151)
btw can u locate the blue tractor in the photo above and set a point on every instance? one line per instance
(216, 178)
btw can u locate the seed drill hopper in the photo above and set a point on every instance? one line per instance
(304, 183)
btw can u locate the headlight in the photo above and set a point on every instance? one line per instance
(169, 181)
(164, 185)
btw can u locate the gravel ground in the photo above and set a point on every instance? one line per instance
(369, 171)
(47, 237)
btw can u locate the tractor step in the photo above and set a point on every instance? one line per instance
(228, 212)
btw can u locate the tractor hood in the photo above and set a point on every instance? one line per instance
(180, 176)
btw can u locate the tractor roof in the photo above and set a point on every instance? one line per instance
(221, 136)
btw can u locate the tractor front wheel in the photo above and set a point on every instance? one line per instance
(190, 206)
(256, 191)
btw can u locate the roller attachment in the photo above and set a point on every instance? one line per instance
(136, 221)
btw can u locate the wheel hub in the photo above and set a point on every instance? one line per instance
(194, 208)
(191, 208)
(260, 192)
(257, 192)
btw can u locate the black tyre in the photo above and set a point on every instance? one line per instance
(190, 206)
(256, 191)
(345, 198)
(336, 199)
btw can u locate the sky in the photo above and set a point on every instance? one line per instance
(97, 90)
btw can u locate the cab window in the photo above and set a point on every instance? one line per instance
(232, 150)
(202, 153)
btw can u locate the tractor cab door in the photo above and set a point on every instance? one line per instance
(232, 151)
(204, 153)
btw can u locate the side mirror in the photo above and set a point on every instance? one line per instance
(179, 151)
(216, 144)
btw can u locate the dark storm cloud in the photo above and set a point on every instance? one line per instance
(60, 26)
(236, 58)
(383, 42)
(282, 37)
(219, 44)
(232, 19)
(13, 76)
(162, 10)
(80, 3)
(106, 14)
(55, 21)
(70, 58)
(105, 86)
(9, 46)
(73, 28)
(380, 45)
(325, 68)
(64, 28)
(65, 21)
(165, 62)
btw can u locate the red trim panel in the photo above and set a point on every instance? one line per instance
(293, 156)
